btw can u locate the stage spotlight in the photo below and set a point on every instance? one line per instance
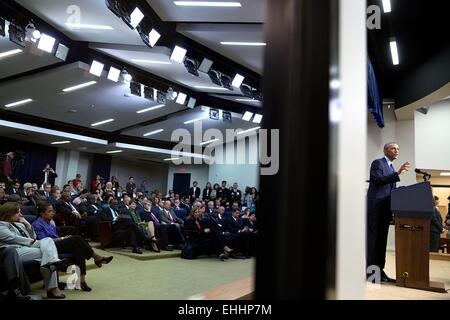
(191, 103)
(215, 77)
(96, 68)
(205, 66)
(191, 66)
(226, 82)
(62, 52)
(181, 99)
(126, 76)
(17, 34)
(113, 74)
(237, 81)
(178, 54)
(247, 116)
(136, 17)
(153, 37)
(227, 116)
(2, 27)
(214, 114)
(149, 93)
(32, 33)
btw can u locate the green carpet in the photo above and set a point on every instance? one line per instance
(127, 278)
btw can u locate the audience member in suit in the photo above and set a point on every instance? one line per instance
(207, 192)
(223, 192)
(75, 245)
(249, 226)
(67, 214)
(235, 193)
(47, 175)
(123, 229)
(194, 191)
(204, 238)
(46, 191)
(240, 240)
(124, 206)
(17, 281)
(167, 216)
(147, 227)
(89, 209)
(15, 189)
(185, 203)
(130, 185)
(55, 195)
(16, 232)
(161, 230)
(436, 227)
(177, 205)
(382, 181)
(210, 208)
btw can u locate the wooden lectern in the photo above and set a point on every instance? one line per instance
(413, 207)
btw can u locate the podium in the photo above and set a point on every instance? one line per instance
(413, 207)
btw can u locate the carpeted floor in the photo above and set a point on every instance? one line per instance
(126, 278)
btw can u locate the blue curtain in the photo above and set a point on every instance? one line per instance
(102, 166)
(374, 100)
(30, 158)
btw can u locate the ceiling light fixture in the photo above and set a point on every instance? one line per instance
(181, 99)
(32, 33)
(394, 52)
(136, 17)
(114, 151)
(88, 26)
(80, 86)
(247, 116)
(114, 74)
(60, 142)
(178, 54)
(18, 103)
(96, 68)
(247, 100)
(151, 108)
(387, 6)
(46, 43)
(172, 159)
(248, 131)
(197, 119)
(150, 61)
(62, 52)
(223, 4)
(153, 132)
(101, 122)
(257, 118)
(153, 37)
(237, 81)
(10, 53)
(251, 44)
(210, 88)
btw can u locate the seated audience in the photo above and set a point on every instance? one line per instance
(75, 245)
(436, 227)
(14, 274)
(18, 233)
(67, 214)
(147, 227)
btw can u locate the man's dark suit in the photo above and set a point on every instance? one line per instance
(379, 215)
(50, 177)
(194, 193)
(19, 192)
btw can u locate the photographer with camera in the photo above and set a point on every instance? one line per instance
(47, 175)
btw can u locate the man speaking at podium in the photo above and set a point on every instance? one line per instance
(383, 177)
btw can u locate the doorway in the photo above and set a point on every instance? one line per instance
(181, 183)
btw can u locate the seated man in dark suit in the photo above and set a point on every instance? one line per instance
(239, 239)
(15, 189)
(46, 192)
(13, 273)
(167, 216)
(123, 229)
(89, 211)
(67, 215)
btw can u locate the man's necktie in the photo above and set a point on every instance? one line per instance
(392, 168)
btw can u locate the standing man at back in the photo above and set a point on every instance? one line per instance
(383, 178)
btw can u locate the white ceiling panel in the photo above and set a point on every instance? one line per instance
(104, 100)
(93, 12)
(250, 11)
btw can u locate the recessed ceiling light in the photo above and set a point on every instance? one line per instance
(247, 116)
(101, 122)
(10, 53)
(394, 52)
(225, 4)
(257, 118)
(136, 17)
(46, 43)
(445, 174)
(96, 68)
(247, 100)
(114, 74)
(208, 142)
(153, 132)
(61, 142)
(153, 37)
(251, 44)
(18, 103)
(88, 26)
(210, 88)
(181, 99)
(172, 159)
(237, 81)
(151, 108)
(249, 130)
(197, 119)
(387, 6)
(80, 86)
(114, 151)
(178, 54)
(150, 61)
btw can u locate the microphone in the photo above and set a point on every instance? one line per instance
(422, 172)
